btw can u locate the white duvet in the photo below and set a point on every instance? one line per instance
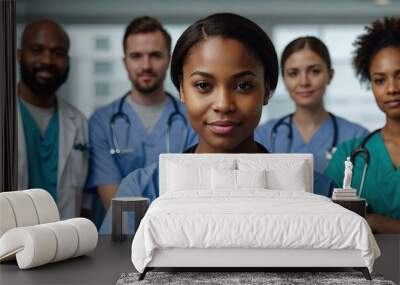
(253, 218)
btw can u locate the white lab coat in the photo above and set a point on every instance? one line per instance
(72, 163)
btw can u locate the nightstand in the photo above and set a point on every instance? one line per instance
(137, 205)
(358, 206)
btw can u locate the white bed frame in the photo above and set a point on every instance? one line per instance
(243, 259)
(234, 257)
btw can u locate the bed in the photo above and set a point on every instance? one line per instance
(247, 211)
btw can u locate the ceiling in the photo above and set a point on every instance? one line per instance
(120, 11)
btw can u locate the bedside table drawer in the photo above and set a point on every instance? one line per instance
(358, 206)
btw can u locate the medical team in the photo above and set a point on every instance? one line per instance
(126, 136)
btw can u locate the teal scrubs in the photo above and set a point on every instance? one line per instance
(382, 180)
(42, 152)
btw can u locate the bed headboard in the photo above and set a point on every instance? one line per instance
(278, 162)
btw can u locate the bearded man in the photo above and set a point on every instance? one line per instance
(52, 134)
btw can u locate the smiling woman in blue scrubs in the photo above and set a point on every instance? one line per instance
(225, 68)
(307, 71)
(377, 61)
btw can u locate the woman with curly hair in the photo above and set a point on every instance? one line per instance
(376, 157)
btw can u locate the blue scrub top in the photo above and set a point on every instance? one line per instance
(106, 168)
(319, 143)
(144, 183)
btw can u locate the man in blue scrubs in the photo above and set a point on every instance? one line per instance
(132, 131)
(52, 134)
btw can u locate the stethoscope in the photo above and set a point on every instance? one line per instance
(289, 125)
(116, 149)
(363, 150)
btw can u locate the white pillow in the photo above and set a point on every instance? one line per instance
(291, 180)
(223, 179)
(236, 179)
(186, 176)
(251, 178)
(288, 175)
(183, 177)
